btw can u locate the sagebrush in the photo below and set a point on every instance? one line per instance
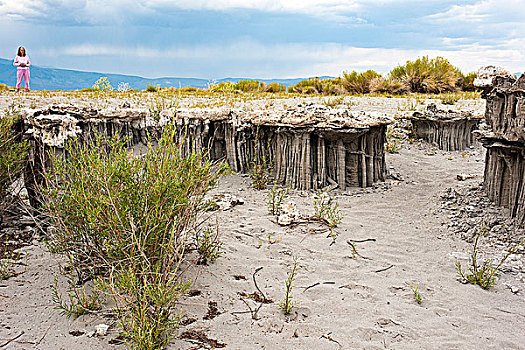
(128, 221)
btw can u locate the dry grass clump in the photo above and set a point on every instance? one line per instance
(127, 222)
(427, 75)
(359, 83)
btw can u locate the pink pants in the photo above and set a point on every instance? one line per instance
(22, 73)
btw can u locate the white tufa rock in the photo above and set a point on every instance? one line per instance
(101, 329)
(486, 74)
(54, 130)
(289, 214)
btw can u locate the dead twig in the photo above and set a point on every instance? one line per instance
(386, 268)
(254, 316)
(13, 340)
(362, 240)
(313, 285)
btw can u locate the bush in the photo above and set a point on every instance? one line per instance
(248, 85)
(310, 86)
(427, 75)
(225, 86)
(466, 82)
(275, 87)
(128, 221)
(13, 153)
(388, 85)
(359, 83)
(102, 84)
(151, 88)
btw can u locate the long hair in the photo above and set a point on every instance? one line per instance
(19, 53)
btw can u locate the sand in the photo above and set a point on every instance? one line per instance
(342, 301)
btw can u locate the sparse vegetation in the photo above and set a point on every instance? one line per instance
(151, 88)
(208, 244)
(127, 221)
(7, 263)
(417, 295)
(326, 208)
(276, 197)
(260, 167)
(393, 144)
(483, 274)
(80, 301)
(287, 304)
(102, 84)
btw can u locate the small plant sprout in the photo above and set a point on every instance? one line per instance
(260, 166)
(393, 144)
(417, 295)
(276, 197)
(208, 245)
(81, 302)
(327, 210)
(485, 275)
(286, 304)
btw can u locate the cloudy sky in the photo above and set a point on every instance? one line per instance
(261, 39)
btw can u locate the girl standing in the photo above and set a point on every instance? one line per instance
(22, 71)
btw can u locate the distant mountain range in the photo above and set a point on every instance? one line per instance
(66, 79)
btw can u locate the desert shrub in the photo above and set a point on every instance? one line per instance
(466, 82)
(225, 86)
(327, 210)
(189, 89)
(387, 85)
(102, 84)
(151, 88)
(4, 87)
(287, 304)
(276, 197)
(275, 87)
(13, 152)
(359, 83)
(309, 86)
(427, 75)
(248, 85)
(485, 274)
(393, 143)
(128, 221)
(332, 86)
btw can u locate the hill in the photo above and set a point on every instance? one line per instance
(65, 79)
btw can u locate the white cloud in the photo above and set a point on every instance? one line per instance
(307, 59)
(96, 11)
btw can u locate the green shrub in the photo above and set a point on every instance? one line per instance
(275, 87)
(129, 220)
(427, 75)
(309, 86)
(13, 153)
(248, 85)
(485, 275)
(225, 86)
(466, 82)
(388, 85)
(359, 83)
(151, 88)
(102, 84)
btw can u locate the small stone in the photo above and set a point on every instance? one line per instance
(101, 329)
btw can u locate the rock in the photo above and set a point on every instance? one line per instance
(463, 177)
(101, 329)
(486, 75)
(289, 213)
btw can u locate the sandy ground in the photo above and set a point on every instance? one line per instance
(342, 301)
